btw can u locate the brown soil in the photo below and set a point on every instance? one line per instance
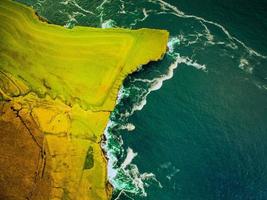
(24, 165)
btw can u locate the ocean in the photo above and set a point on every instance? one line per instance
(194, 125)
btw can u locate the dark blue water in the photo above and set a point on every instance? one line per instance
(193, 126)
(207, 138)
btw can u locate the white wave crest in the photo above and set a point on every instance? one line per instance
(108, 23)
(244, 65)
(74, 3)
(127, 178)
(190, 62)
(129, 127)
(173, 42)
(130, 156)
(156, 84)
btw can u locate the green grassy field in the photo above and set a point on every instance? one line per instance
(62, 85)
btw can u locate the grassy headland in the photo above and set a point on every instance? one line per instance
(57, 89)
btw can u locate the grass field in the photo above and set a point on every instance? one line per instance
(62, 85)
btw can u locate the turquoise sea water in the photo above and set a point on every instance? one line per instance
(194, 125)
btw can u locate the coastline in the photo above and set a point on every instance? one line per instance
(70, 120)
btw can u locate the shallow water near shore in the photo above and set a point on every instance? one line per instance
(194, 125)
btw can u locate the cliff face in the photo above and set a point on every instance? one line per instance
(57, 89)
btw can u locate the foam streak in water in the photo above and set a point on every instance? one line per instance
(179, 13)
(130, 156)
(155, 85)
